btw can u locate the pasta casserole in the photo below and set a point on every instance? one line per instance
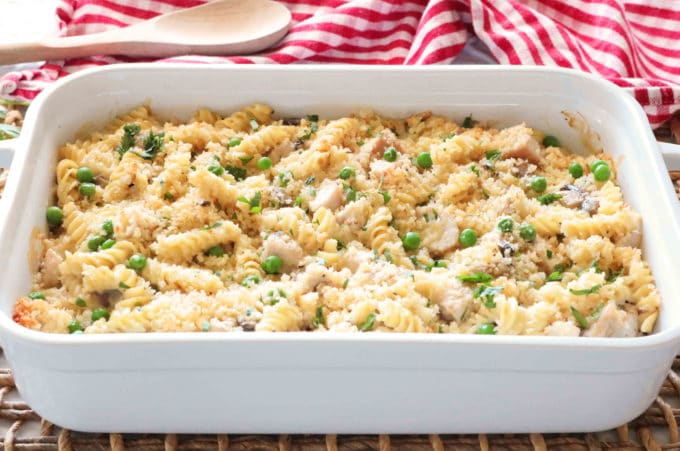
(363, 223)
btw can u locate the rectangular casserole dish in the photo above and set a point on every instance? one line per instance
(344, 383)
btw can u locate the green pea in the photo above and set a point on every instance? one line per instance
(100, 313)
(215, 251)
(539, 184)
(108, 244)
(411, 241)
(95, 242)
(551, 141)
(346, 173)
(54, 216)
(576, 170)
(80, 302)
(84, 174)
(137, 262)
(468, 237)
(216, 169)
(272, 264)
(487, 329)
(506, 225)
(390, 154)
(233, 142)
(74, 326)
(264, 163)
(424, 160)
(107, 227)
(527, 232)
(87, 189)
(36, 295)
(602, 172)
(595, 164)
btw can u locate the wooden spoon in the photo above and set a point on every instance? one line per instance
(222, 27)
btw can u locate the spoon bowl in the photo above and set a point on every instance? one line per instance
(222, 27)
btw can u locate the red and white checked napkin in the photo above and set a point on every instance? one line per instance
(633, 43)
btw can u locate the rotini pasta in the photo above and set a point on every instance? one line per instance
(244, 222)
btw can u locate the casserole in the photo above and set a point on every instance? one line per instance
(345, 383)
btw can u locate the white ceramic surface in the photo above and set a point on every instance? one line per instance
(344, 383)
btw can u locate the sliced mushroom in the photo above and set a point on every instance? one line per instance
(50, 268)
(575, 197)
(507, 249)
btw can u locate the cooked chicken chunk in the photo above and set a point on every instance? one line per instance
(614, 322)
(284, 247)
(49, 269)
(441, 234)
(328, 195)
(375, 147)
(518, 142)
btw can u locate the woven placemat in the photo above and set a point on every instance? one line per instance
(655, 430)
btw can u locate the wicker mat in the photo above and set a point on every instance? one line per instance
(656, 429)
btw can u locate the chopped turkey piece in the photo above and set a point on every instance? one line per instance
(441, 233)
(50, 268)
(283, 246)
(314, 275)
(328, 195)
(452, 297)
(355, 214)
(634, 237)
(518, 142)
(614, 322)
(563, 329)
(375, 147)
(590, 205)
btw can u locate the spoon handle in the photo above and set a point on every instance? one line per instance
(107, 42)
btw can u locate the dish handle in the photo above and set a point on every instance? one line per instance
(7, 149)
(671, 155)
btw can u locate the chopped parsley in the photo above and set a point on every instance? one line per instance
(130, 131)
(253, 123)
(449, 136)
(468, 122)
(388, 255)
(492, 155)
(555, 276)
(309, 180)
(123, 285)
(549, 198)
(345, 283)
(153, 143)
(246, 160)
(477, 277)
(474, 169)
(386, 196)
(580, 319)
(368, 324)
(318, 319)
(596, 313)
(236, 172)
(206, 325)
(313, 119)
(487, 294)
(254, 202)
(587, 291)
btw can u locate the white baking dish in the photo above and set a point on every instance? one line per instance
(345, 383)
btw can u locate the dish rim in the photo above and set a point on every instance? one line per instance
(632, 110)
